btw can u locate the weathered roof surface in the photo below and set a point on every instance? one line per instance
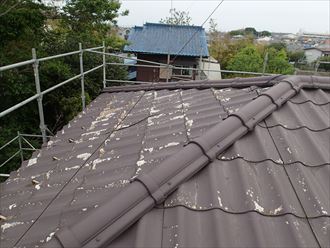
(157, 38)
(269, 189)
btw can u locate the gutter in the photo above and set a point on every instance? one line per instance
(146, 191)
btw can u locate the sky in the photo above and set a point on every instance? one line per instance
(289, 16)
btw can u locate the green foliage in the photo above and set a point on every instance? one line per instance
(177, 18)
(224, 49)
(248, 59)
(237, 32)
(264, 33)
(20, 29)
(324, 66)
(278, 62)
(250, 31)
(296, 56)
(278, 46)
(50, 31)
(244, 55)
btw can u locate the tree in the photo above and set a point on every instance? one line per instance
(296, 56)
(264, 33)
(237, 32)
(251, 31)
(324, 64)
(278, 46)
(248, 59)
(223, 48)
(20, 29)
(177, 18)
(50, 31)
(278, 62)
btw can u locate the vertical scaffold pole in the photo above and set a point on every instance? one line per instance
(39, 99)
(104, 66)
(82, 77)
(20, 145)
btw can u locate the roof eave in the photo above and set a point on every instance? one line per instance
(204, 55)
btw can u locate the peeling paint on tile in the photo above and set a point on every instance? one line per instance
(10, 225)
(12, 206)
(84, 156)
(258, 207)
(32, 161)
(49, 237)
(172, 144)
(72, 168)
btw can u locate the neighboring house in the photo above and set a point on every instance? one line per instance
(239, 162)
(183, 46)
(123, 32)
(210, 69)
(264, 40)
(131, 68)
(314, 53)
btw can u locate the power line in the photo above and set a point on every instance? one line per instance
(214, 10)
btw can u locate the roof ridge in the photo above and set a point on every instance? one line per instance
(171, 25)
(148, 190)
(263, 81)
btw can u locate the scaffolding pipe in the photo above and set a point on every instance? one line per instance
(139, 65)
(8, 67)
(17, 106)
(8, 143)
(194, 69)
(82, 77)
(126, 81)
(104, 66)
(93, 48)
(33, 135)
(58, 56)
(39, 99)
(20, 145)
(14, 155)
(28, 142)
(21, 104)
(69, 80)
(29, 149)
(125, 57)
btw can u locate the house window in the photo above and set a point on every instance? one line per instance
(183, 71)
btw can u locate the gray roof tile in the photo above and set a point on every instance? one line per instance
(256, 194)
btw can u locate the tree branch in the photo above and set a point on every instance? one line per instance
(10, 8)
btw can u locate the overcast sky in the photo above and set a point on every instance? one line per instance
(272, 15)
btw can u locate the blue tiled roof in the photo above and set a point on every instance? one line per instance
(156, 38)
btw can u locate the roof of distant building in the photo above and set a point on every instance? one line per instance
(254, 152)
(157, 38)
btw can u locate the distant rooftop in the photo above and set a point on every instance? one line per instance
(157, 38)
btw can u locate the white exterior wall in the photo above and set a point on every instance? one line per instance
(211, 64)
(312, 55)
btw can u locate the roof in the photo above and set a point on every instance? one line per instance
(321, 49)
(157, 38)
(270, 188)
